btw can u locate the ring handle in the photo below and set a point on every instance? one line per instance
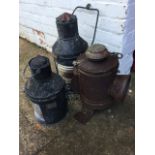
(23, 73)
(119, 55)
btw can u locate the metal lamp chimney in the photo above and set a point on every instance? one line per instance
(68, 46)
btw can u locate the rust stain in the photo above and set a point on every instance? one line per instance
(41, 36)
(38, 126)
(39, 33)
(42, 42)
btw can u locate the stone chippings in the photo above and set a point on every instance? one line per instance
(109, 132)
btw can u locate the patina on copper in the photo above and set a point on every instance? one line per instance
(96, 79)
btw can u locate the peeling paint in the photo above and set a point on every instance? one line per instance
(39, 33)
(42, 42)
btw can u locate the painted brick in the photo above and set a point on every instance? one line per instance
(30, 37)
(115, 1)
(130, 47)
(46, 41)
(104, 23)
(102, 36)
(39, 2)
(129, 43)
(42, 10)
(129, 25)
(25, 29)
(131, 10)
(38, 26)
(72, 3)
(110, 9)
(110, 47)
(109, 38)
(112, 25)
(115, 27)
(129, 37)
(38, 18)
(125, 64)
(68, 4)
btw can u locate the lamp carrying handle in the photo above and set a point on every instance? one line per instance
(24, 71)
(88, 7)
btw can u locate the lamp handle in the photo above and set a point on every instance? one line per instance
(88, 7)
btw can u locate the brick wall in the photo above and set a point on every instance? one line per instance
(115, 27)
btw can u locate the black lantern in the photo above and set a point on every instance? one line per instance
(46, 90)
(68, 46)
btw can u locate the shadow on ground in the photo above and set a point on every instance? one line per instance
(109, 132)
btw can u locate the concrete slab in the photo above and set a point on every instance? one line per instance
(109, 132)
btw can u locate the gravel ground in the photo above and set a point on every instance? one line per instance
(109, 132)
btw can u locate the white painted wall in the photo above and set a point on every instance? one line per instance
(115, 27)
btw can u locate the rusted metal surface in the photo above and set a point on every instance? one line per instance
(85, 115)
(97, 67)
(97, 53)
(99, 85)
(65, 17)
(94, 88)
(67, 25)
(119, 87)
